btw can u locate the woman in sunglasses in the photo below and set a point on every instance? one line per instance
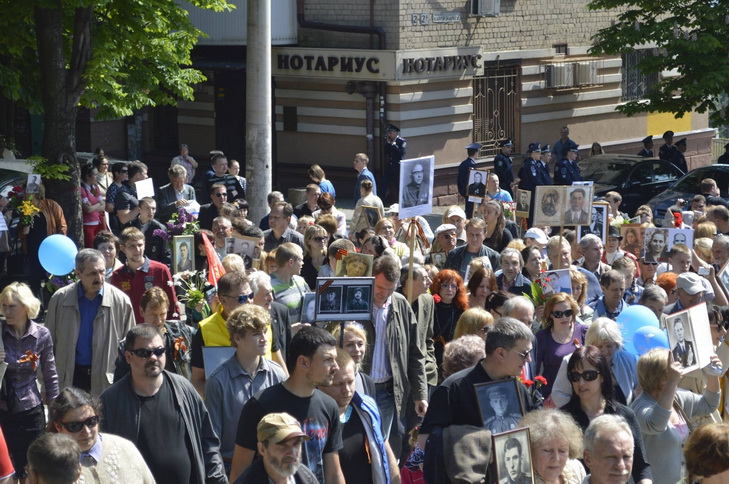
(315, 253)
(592, 395)
(25, 344)
(560, 335)
(106, 458)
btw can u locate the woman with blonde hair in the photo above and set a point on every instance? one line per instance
(352, 338)
(578, 282)
(664, 411)
(315, 253)
(473, 321)
(556, 442)
(702, 247)
(560, 335)
(497, 236)
(25, 345)
(705, 229)
(386, 228)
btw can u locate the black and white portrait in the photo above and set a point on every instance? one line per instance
(476, 185)
(308, 313)
(416, 180)
(656, 245)
(371, 214)
(598, 223)
(500, 405)
(331, 300)
(680, 236)
(358, 299)
(33, 185)
(512, 452)
(548, 205)
(578, 206)
(523, 203)
(681, 340)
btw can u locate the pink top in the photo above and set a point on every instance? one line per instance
(91, 196)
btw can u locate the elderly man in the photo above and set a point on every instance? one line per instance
(690, 289)
(87, 319)
(445, 236)
(508, 350)
(176, 194)
(162, 415)
(608, 453)
(511, 279)
(611, 304)
(592, 249)
(415, 192)
(720, 251)
(222, 230)
(522, 309)
(280, 439)
(260, 283)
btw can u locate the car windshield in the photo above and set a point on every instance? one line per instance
(610, 173)
(690, 183)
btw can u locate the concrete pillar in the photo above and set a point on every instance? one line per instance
(259, 131)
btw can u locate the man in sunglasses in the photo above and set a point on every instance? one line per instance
(454, 402)
(233, 291)
(162, 415)
(208, 212)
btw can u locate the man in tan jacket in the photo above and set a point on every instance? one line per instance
(87, 320)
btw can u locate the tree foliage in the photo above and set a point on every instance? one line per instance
(690, 37)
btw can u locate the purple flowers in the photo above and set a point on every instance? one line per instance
(181, 223)
(163, 234)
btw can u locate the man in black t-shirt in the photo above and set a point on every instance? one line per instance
(162, 415)
(311, 363)
(454, 402)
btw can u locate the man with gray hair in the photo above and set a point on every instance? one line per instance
(511, 279)
(508, 351)
(592, 249)
(720, 251)
(521, 308)
(175, 195)
(260, 283)
(608, 450)
(87, 319)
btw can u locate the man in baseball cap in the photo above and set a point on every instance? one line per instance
(279, 444)
(690, 292)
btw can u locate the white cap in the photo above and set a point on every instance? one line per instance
(537, 234)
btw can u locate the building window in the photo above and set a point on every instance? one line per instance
(635, 85)
(496, 108)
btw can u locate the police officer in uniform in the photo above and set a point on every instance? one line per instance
(394, 152)
(567, 170)
(647, 150)
(677, 157)
(665, 152)
(534, 171)
(464, 169)
(503, 166)
(724, 159)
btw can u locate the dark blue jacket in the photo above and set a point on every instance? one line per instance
(503, 169)
(464, 170)
(365, 174)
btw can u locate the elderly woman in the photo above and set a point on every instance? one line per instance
(26, 344)
(353, 340)
(461, 353)
(604, 334)
(497, 236)
(108, 244)
(386, 228)
(532, 257)
(511, 279)
(326, 207)
(560, 335)
(592, 396)
(556, 442)
(480, 285)
(420, 282)
(707, 454)
(578, 281)
(473, 321)
(114, 459)
(315, 253)
(663, 411)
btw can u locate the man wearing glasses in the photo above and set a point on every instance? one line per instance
(279, 232)
(233, 291)
(208, 212)
(161, 414)
(454, 402)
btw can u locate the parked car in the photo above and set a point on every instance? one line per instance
(636, 178)
(687, 186)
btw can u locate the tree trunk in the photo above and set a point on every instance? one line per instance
(62, 88)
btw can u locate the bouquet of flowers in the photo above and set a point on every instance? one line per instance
(533, 387)
(193, 288)
(537, 295)
(509, 210)
(54, 283)
(25, 208)
(181, 223)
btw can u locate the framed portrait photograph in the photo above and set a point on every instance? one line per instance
(476, 188)
(548, 206)
(655, 244)
(33, 184)
(501, 407)
(598, 222)
(681, 341)
(578, 205)
(438, 259)
(343, 298)
(416, 186)
(557, 281)
(183, 257)
(354, 264)
(680, 236)
(246, 247)
(523, 203)
(632, 240)
(513, 457)
(308, 311)
(371, 215)
(723, 277)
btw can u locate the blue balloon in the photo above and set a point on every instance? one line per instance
(57, 254)
(633, 318)
(647, 338)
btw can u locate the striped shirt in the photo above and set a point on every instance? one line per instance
(381, 370)
(290, 295)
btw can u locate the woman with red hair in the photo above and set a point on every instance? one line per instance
(448, 301)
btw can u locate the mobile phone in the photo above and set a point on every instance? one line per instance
(704, 271)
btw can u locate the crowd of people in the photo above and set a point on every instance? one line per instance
(188, 360)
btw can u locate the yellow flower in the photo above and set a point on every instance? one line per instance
(28, 209)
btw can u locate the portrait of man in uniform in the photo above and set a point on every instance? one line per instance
(523, 203)
(500, 406)
(416, 192)
(576, 213)
(331, 301)
(683, 351)
(357, 299)
(476, 187)
(512, 459)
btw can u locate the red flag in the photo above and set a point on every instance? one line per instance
(215, 268)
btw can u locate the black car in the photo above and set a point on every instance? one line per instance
(688, 186)
(636, 178)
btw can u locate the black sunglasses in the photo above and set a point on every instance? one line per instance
(124, 170)
(220, 195)
(145, 353)
(319, 239)
(75, 427)
(589, 375)
(242, 299)
(561, 314)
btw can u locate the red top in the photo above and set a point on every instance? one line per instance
(134, 284)
(6, 466)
